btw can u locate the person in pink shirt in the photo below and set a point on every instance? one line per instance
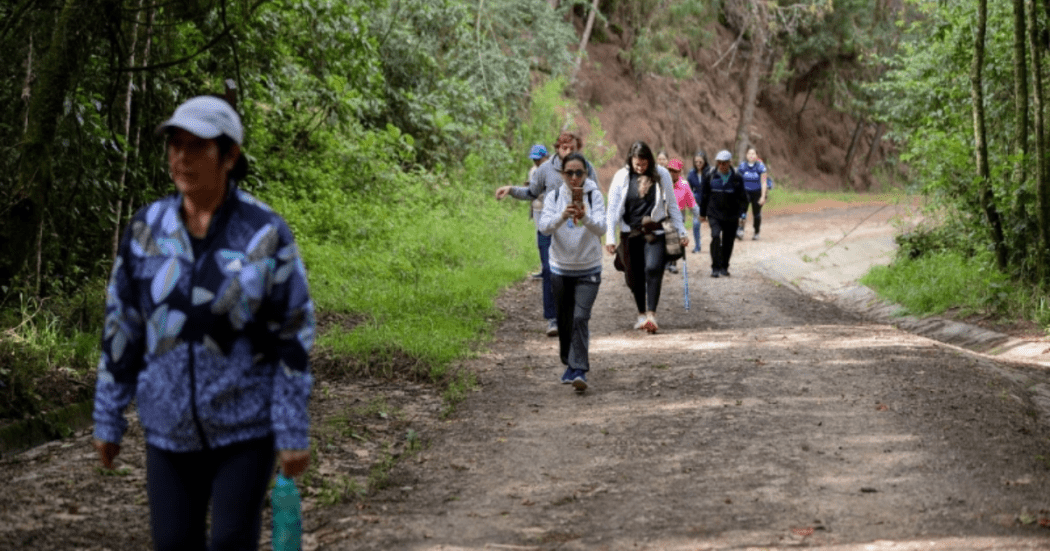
(684, 196)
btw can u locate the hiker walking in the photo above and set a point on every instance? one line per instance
(753, 171)
(685, 201)
(641, 196)
(546, 178)
(722, 202)
(574, 216)
(538, 154)
(209, 324)
(695, 177)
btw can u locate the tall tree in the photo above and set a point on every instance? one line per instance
(1020, 145)
(987, 197)
(1039, 141)
(759, 35)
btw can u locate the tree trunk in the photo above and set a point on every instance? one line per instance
(125, 154)
(880, 129)
(1020, 145)
(851, 153)
(980, 137)
(583, 41)
(1039, 145)
(55, 79)
(759, 29)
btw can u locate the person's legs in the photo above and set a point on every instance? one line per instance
(543, 243)
(696, 235)
(717, 235)
(177, 485)
(655, 260)
(585, 293)
(756, 209)
(564, 300)
(730, 226)
(638, 275)
(243, 472)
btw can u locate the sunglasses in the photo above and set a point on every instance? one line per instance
(575, 173)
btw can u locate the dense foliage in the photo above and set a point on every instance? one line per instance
(378, 128)
(927, 98)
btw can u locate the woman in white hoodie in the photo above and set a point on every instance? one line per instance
(639, 199)
(575, 222)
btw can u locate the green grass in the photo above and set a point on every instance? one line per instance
(940, 281)
(787, 194)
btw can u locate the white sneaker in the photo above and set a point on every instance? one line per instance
(641, 321)
(740, 234)
(552, 328)
(650, 324)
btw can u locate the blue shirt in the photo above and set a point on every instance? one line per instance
(752, 174)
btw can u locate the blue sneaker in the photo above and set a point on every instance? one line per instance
(579, 382)
(568, 376)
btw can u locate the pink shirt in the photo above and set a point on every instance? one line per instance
(684, 195)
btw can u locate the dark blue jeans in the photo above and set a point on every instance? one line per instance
(543, 243)
(233, 478)
(575, 297)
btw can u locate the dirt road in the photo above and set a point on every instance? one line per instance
(760, 418)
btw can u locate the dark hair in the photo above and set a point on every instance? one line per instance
(700, 153)
(641, 150)
(240, 169)
(574, 156)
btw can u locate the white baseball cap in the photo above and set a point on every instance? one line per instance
(724, 155)
(206, 117)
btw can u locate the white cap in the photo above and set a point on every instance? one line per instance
(724, 155)
(206, 117)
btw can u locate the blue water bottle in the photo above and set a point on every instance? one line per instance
(287, 515)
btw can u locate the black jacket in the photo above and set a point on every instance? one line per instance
(723, 198)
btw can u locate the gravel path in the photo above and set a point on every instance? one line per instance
(760, 418)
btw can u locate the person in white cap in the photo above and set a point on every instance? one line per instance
(209, 324)
(722, 203)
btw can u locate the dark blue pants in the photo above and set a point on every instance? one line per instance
(543, 243)
(647, 271)
(575, 297)
(233, 478)
(723, 237)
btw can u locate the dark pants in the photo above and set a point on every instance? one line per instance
(756, 209)
(575, 297)
(723, 234)
(647, 271)
(543, 243)
(180, 485)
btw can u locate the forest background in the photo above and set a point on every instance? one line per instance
(380, 128)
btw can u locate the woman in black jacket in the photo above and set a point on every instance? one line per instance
(722, 203)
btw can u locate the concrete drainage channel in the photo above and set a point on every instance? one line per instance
(60, 423)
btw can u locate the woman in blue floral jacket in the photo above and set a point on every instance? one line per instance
(208, 324)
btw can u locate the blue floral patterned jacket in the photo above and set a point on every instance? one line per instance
(213, 345)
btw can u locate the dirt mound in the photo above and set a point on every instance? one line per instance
(801, 138)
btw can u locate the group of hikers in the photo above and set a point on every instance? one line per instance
(643, 225)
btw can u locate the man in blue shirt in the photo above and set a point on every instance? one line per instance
(722, 203)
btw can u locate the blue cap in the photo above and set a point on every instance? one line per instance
(537, 152)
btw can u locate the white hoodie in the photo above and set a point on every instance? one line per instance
(575, 247)
(618, 200)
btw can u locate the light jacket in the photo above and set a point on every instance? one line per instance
(618, 199)
(576, 248)
(214, 347)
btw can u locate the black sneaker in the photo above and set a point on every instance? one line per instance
(715, 273)
(725, 273)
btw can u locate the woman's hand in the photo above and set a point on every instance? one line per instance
(684, 240)
(611, 249)
(294, 462)
(570, 212)
(107, 452)
(762, 200)
(502, 192)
